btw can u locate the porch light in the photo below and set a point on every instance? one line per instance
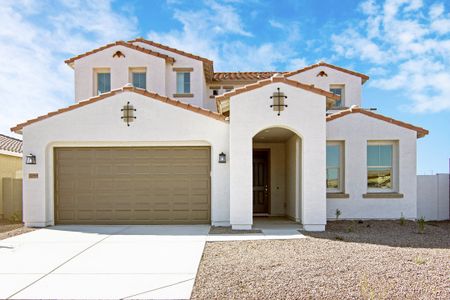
(30, 159)
(222, 158)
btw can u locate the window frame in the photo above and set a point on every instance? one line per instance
(96, 72)
(394, 166)
(183, 92)
(342, 87)
(341, 173)
(137, 70)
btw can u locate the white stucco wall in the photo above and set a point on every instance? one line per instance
(305, 116)
(277, 176)
(99, 124)
(119, 67)
(353, 84)
(355, 130)
(198, 83)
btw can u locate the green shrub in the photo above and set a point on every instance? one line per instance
(421, 225)
(402, 220)
(338, 213)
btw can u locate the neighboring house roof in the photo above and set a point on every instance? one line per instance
(208, 65)
(421, 132)
(10, 144)
(242, 76)
(226, 96)
(18, 128)
(324, 64)
(168, 59)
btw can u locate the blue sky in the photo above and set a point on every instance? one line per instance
(403, 45)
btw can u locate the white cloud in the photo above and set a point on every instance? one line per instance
(409, 43)
(36, 38)
(218, 32)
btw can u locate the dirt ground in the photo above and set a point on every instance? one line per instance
(9, 229)
(357, 260)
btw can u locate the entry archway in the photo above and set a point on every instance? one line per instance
(277, 173)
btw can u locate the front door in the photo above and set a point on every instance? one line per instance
(261, 186)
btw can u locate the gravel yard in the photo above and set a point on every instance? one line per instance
(9, 229)
(368, 260)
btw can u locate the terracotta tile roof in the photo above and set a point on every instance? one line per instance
(10, 144)
(324, 64)
(18, 128)
(261, 83)
(168, 59)
(242, 76)
(421, 132)
(208, 65)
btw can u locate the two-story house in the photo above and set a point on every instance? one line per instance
(155, 136)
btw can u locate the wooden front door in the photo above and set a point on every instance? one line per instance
(261, 188)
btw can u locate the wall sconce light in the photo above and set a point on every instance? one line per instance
(30, 159)
(222, 158)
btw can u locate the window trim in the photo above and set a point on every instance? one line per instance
(342, 87)
(395, 167)
(341, 187)
(95, 73)
(133, 70)
(176, 84)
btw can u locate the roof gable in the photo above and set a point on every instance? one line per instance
(324, 64)
(208, 65)
(167, 58)
(18, 128)
(274, 79)
(421, 132)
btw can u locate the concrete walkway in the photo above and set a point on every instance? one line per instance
(114, 262)
(102, 262)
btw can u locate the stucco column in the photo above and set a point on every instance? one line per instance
(35, 212)
(241, 195)
(313, 208)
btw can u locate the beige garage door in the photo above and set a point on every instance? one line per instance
(157, 185)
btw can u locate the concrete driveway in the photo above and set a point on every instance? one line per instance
(102, 262)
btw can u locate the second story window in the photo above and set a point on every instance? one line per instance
(183, 83)
(138, 78)
(339, 90)
(102, 81)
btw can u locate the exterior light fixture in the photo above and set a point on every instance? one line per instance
(30, 159)
(222, 158)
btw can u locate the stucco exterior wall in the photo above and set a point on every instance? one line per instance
(119, 67)
(99, 124)
(353, 84)
(277, 176)
(355, 130)
(198, 85)
(305, 116)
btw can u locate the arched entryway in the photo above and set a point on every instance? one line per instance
(277, 175)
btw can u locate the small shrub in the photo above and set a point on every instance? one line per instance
(338, 213)
(402, 220)
(421, 225)
(419, 260)
(339, 238)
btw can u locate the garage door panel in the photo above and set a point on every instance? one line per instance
(159, 185)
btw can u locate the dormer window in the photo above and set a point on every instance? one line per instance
(183, 82)
(138, 77)
(102, 81)
(338, 89)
